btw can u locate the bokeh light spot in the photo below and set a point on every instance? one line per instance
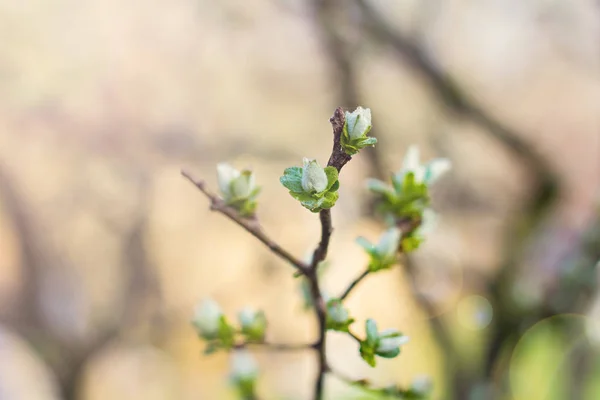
(474, 312)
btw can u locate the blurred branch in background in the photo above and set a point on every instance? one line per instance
(330, 16)
(68, 358)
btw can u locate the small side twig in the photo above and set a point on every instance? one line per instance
(363, 384)
(276, 346)
(353, 335)
(354, 283)
(406, 226)
(250, 225)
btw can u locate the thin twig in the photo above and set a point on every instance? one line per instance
(354, 336)
(363, 384)
(354, 283)
(250, 225)
(277, 346)
(351, 381)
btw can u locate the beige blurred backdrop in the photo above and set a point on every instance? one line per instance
(105, 248)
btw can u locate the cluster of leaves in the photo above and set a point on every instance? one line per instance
(406, 201)
(214, 327)
(384, 254)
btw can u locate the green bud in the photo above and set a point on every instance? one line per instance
(315, 187)
(383, 344)
(253, 323)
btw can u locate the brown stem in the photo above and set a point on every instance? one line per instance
(318, 301)
(250, 225)
(320, 345)
(337, 159)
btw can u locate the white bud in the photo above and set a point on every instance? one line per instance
(225, 175)
(423, 173)
(207, 317)
(377, 186)
(243, 366)
(411, 159)
(233, 183)
(389, 340)
(422, 384)
(358, 122)
(247, 316)
(314, 178)
(389, 242)
(242, 186)
(429, 221)
(437, 168)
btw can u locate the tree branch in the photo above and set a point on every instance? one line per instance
(250, 225)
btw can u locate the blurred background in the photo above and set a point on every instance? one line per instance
(105, 248)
